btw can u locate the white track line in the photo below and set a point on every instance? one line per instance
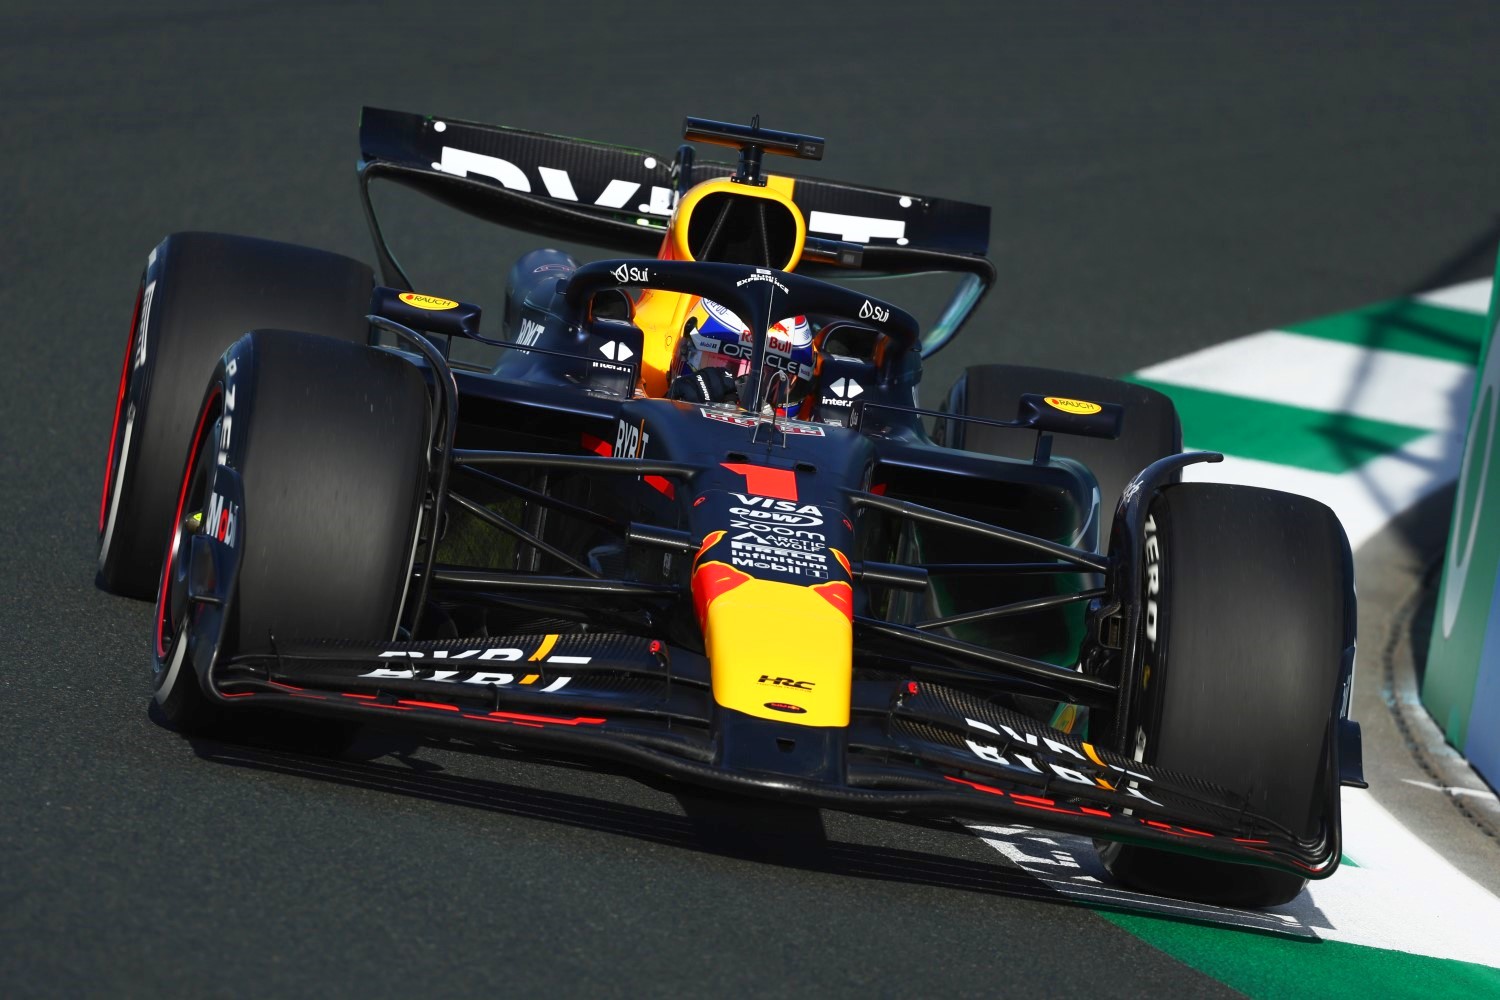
(1068, 864)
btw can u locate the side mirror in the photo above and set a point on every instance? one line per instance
(1064, 415)
(429, 313)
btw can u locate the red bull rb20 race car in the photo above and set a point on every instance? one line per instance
(692, 518)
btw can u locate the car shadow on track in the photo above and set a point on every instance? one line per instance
(719, 825)
(793, 837)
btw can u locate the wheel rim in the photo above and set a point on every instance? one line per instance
(197, 477)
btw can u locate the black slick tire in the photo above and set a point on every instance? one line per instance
(199, 294)
(312, 457)
(1249, 611)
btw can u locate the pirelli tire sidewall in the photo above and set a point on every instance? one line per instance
(200, 292)
(1151, 680)
(1247, 614)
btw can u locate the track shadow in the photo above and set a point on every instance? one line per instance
(791, 837)
(711, 824)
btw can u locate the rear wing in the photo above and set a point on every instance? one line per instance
(619, 199)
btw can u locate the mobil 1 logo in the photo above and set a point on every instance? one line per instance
(750, 551)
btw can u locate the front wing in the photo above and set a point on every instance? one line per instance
(910, 747)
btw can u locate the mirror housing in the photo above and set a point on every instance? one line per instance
(1064, 415)
(429, 313)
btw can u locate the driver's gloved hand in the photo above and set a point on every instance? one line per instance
(706, 385)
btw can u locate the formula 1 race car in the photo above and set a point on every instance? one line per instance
(692, 518)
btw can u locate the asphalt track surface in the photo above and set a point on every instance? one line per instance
(1163, 178)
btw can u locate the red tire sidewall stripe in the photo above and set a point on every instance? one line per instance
(176, 538)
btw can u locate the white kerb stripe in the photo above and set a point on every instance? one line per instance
(1404, 896)
(1471, 296)
(1328, 375)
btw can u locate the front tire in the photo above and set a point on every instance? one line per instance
(1250, 609)
(307, 477)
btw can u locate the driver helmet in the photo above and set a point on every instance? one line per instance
(714, 337)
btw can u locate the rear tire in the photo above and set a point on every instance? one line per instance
(325, 442)
(199, 294)
(1254, 609)
(1151, 429)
